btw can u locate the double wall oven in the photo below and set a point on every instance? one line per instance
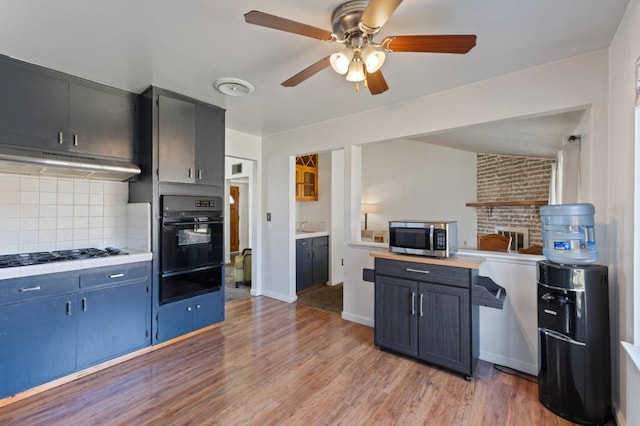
(191, 247)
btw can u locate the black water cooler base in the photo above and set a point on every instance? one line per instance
(574, 380)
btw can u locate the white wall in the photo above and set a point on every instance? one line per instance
(568, 84)
(623, 158)
(337, 241)
(414, 180)
(249, 147)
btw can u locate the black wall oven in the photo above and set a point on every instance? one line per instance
(191, 247)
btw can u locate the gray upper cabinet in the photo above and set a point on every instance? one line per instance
(42, 109)
(209, 143)
(33, 107)
(176, 135)
(101, 122)
(190, 142)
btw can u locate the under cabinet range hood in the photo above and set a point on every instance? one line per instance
(39, 162)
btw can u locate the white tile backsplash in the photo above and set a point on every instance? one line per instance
(48, 213)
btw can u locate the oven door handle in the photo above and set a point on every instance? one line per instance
(204, 222)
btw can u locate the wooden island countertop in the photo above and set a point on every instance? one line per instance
(455, 261)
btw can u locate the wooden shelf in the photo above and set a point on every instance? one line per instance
(508, 203)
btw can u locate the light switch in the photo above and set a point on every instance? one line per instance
(268, 217)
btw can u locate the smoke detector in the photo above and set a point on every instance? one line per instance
(233, 86)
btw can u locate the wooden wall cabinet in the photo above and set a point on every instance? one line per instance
(307, 178)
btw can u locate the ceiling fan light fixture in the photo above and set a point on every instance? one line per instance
(356, 70)
(340, 61)
(233, 86)
(373, 58)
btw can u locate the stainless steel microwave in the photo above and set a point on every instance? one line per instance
(424, 238)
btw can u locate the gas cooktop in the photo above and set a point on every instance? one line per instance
(38, 258)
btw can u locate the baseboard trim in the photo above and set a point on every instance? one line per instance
(357, 318)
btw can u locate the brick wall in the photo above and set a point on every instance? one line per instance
(505, 178)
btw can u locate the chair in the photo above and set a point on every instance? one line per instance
(242, 267)
(494, 242)
(534, 249)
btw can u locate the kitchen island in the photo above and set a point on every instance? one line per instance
(507, 337)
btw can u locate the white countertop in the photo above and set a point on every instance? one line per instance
(73, 265)
(311, 234)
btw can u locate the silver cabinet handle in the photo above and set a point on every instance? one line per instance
(24, 290)
(413, 303)
(68, 308)
(198, 306)
(84, 304)
(560, 336)
(189, 308)
(60, 138)
(116, 275)
(75, 140)
(421, 301)
(199, 173)
(190, 172)
(420, 271)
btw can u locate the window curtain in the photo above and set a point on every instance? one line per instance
(565, 175)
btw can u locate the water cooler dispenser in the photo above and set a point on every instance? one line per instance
(574, 380)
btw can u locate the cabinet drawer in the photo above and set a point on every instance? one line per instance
(24, 289)
(439, 274)
(111, 275)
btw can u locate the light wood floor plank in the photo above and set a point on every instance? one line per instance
(273, 363)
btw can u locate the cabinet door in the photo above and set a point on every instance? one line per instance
(33, 107)
(176, 136)
(112, 321)
(304, 264)
(209, 145)
(101, 121)
(396, 320)
(320, 260)
(37, 342)
(444, 329)
(208, 309)
(174, 320)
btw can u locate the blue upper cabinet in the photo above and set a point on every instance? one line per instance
(43, 109)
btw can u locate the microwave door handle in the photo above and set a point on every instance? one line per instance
(431, 246)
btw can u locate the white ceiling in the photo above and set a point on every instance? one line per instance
(185, 45)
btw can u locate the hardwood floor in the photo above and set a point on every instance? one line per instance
(276, 363)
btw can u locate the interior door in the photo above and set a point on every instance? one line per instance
(234, 219)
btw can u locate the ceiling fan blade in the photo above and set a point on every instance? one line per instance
(271, 21)
(377, 13)
(307, 72)
(430, 43)
(376, 83)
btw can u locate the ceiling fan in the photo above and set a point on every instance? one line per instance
(354, 25)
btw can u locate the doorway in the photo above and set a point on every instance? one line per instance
(234, 220)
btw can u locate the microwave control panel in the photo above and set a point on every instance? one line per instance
(439, 239)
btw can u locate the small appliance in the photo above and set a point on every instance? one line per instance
(424, 238)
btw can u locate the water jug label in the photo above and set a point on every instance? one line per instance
(561, 245)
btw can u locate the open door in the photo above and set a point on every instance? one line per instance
(234, 219)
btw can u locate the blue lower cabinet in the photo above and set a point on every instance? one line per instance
(37, 343)
(53, 325)
(182, 317)
(112, 322)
